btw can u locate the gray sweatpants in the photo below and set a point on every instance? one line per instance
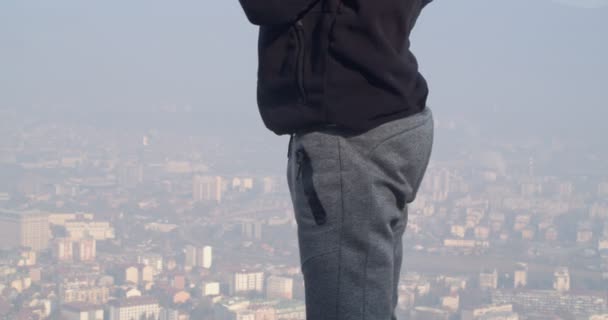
(350, 194)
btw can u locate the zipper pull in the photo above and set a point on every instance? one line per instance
(299, 159)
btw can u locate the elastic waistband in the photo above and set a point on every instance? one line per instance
(316, 128)
(396, 124)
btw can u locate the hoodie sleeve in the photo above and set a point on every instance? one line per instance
(269, 12)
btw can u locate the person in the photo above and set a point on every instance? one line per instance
(339, 78)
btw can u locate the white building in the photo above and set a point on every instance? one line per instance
(205, 188)
(248, 281)
(234, 308)
(494, 312)
(488, 280)
(198, 256)
(520, 275)
(561, 281)
(85, 249)
(134, 308)
(211, 288)
(80, 229)
(279, 287)
(154, 260)
(81, 311)
(24, 228)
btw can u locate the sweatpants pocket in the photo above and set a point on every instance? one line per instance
(305, 176)
(316, 192)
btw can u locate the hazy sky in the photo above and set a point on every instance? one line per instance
(536, 58)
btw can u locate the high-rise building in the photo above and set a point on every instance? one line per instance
(130, 174)
(67, 249)
(279, 287)
(83, 228)
(198, 256)
(561, 279)
(63, 249)
(252, 228)
(81, 311)
(488, 279)
(205, 188)
(154, 260)
(439, 184)
(85, 249)
(206, 255)
(248, 281)
(24, 229)
(190, 256)
(520, 275)
(134, 308)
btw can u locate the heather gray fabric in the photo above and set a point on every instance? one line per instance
(350, 194)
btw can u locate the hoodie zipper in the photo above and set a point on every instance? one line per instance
(300, 58)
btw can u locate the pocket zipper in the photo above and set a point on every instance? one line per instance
(316, 207)
(299, 160)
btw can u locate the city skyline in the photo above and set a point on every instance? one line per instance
(137, 180)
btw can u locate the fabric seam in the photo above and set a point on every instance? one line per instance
(341, 223)
(370, 152)
(317, 256)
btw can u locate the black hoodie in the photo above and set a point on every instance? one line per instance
(329, 62)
